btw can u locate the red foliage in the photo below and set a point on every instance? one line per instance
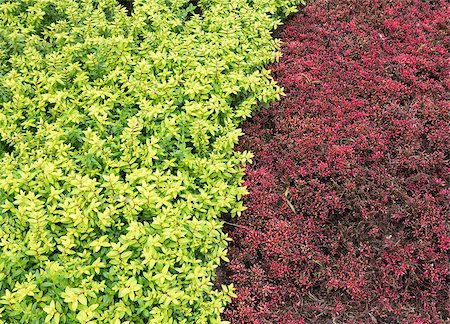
(361, 142)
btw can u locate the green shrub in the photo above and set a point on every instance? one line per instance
(116, 153)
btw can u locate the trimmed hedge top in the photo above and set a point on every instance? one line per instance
(116, 154)
(348, 217)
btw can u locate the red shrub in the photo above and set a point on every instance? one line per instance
(361, 142)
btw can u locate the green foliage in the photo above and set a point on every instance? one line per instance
(116, 154)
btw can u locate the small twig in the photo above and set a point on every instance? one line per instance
(290, 205)
(286, 193)
(240, 226)
(308, 80)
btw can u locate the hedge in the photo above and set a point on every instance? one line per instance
(116, 153)
(348, 217)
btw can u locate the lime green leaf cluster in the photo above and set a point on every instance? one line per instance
(116, 154)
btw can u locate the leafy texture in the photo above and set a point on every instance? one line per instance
(348, 214)
(116, 138)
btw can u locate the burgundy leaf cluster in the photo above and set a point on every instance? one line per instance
(348, 216)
